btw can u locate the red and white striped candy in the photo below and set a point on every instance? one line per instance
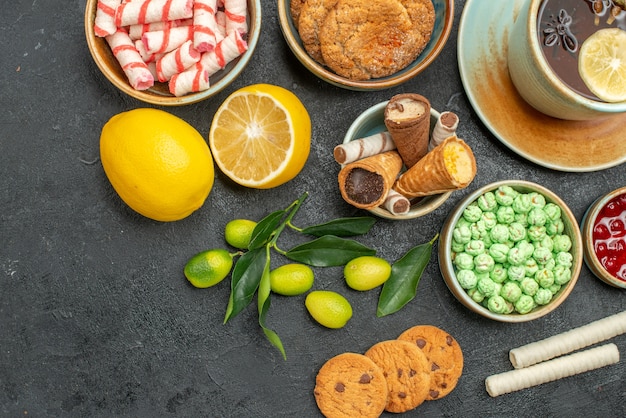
(236, 11)
(137, 72)
(104, 23)
(166, 40)
(148, 11)
(137, 31)
(205, 26)
(189, 81)
(177, 61)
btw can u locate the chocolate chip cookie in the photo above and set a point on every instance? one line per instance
(350, 385)
(444, 356)
(406, 370)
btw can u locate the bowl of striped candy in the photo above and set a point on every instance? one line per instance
(174, 52)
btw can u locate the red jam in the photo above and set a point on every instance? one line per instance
(609, 237)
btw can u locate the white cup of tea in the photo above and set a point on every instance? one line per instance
(535, 78)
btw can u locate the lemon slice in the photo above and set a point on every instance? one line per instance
(602, 64)
(260, 136)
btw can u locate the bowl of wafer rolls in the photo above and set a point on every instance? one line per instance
(172, 53)
(364, 45)
(401, 159)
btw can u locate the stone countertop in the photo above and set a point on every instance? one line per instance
(97, 319)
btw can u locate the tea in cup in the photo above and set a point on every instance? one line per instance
(543, 55)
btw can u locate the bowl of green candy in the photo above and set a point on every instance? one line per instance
(511, 251)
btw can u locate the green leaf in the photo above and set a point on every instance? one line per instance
(328, 251)
(264, 305)
(264, 229)
(245, 280)
(401, 287)
(342, 227)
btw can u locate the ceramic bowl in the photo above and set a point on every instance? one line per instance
(448, 270)
(159, 93)
(372, 121)
(444, 11)
(616, 231)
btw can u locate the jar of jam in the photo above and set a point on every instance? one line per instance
(604, 236)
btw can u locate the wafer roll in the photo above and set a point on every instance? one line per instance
(568, 341)
(396, 204)
(407, 118)
(366, 182)
(551, 370)
(363, 147)
(450, 166)
(444, 127)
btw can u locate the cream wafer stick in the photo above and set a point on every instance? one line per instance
(148, 11)
(396, 204)
(104, 23)
(552, 370)
(137, 72)
(569, 341)
(177, 61)
(363, 147)
(444, 127)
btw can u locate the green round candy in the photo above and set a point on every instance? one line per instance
(462, 234)
(543, 296)
(524, 304)
(529, 286)
(464, 261)
(472, 213)
(545, 278)
(536, 216)
(562, 243)
(511, 291)
(484, 263)
(499, 273)
(497, 304)
(467, 279)
(487, 202)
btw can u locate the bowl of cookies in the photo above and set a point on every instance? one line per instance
(361, 45)
(401, 159)
(171, 56)
(511, 251)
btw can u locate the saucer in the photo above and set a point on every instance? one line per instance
(574, 146)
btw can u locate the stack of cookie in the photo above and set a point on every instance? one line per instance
(360, 39)
(423, 364)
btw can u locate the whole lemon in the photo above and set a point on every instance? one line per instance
(158, 164)
(366, 272)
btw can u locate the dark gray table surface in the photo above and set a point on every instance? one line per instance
(97, 319)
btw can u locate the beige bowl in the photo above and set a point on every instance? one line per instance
(444, 17)
(372, 121)
(449, 273)
(588, 222)
(159, 93)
